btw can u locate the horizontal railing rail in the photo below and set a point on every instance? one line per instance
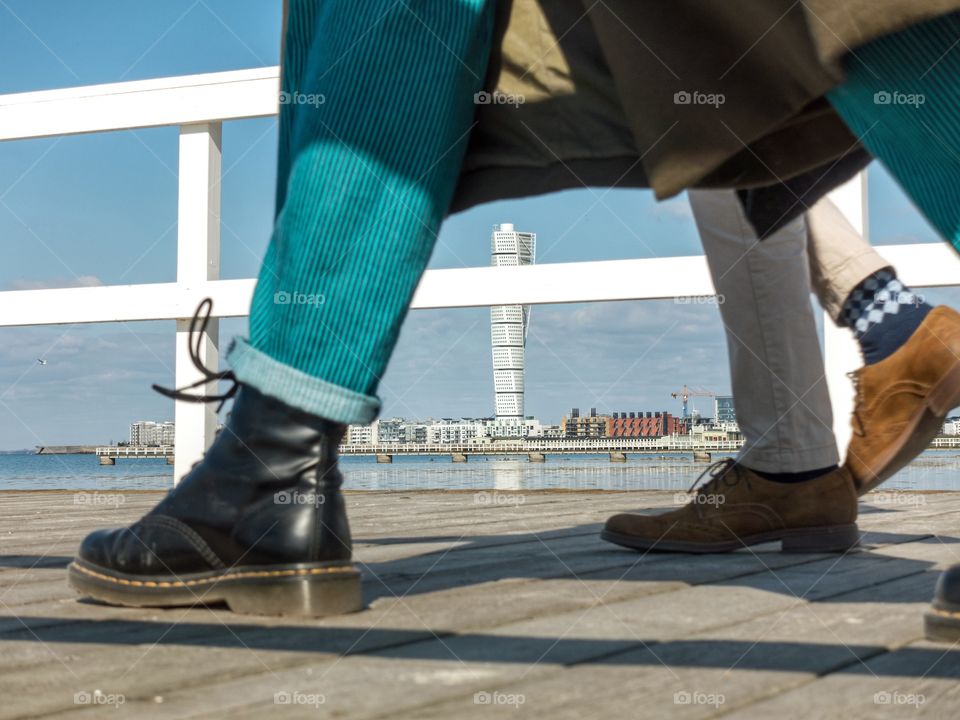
(136, 451)
(545, 446)
(199, 104)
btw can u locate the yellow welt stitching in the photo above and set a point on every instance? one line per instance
(234, 576)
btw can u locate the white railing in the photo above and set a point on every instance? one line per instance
(135, 451)
(673, 443)
(199, 104)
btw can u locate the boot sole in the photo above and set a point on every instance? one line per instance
(832, 538)
(923, 427)
(300, 590)
(942, 625)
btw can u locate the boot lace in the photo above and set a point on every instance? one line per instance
(722, 471)
(198, 326)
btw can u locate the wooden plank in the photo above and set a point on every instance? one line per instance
(499, 601)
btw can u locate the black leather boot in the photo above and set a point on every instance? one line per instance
(259, 524)
(942, 621)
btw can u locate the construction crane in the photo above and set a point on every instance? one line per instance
(688, 393)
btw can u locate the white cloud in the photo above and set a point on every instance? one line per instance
(50, 283)
(676, 208)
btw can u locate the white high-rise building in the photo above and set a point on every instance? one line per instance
(508, 323)
(147, 433)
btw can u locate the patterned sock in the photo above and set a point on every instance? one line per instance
(883, 313)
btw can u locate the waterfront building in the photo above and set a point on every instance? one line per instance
(552, 432)
(387, 431)
(414, 433)
(712, 433)
(147, 433)
(649, 424)
(724, 409)
(513, 428)
(588, 426)
(509, 323)
(453, 432)
(358, 435)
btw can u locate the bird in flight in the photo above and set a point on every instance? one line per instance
(41, 361)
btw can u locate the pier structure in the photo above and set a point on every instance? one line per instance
(537, 450)
(110, 454)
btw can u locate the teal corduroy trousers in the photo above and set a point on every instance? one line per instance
(376, 107)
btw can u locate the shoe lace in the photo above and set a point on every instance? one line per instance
(198, 327)
(856, 420)
(722, 470)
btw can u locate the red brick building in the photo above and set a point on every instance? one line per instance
(651, 424)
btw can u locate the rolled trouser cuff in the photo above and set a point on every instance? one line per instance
(844, 282)
(298, 389)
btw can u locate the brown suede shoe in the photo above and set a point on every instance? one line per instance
(737, 508)
(903, 400)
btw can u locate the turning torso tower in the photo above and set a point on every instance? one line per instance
(508, 323)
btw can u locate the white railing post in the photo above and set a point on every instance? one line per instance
(840, 352)
(198, 261)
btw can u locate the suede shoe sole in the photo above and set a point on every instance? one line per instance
(835, 538)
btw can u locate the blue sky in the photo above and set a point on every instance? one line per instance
(102, 209)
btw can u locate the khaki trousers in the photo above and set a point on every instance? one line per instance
(776, 365)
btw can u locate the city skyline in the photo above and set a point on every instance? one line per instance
(70, 203)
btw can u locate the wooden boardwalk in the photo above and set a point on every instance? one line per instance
(499, 606)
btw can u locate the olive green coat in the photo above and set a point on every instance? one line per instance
(668, 94)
